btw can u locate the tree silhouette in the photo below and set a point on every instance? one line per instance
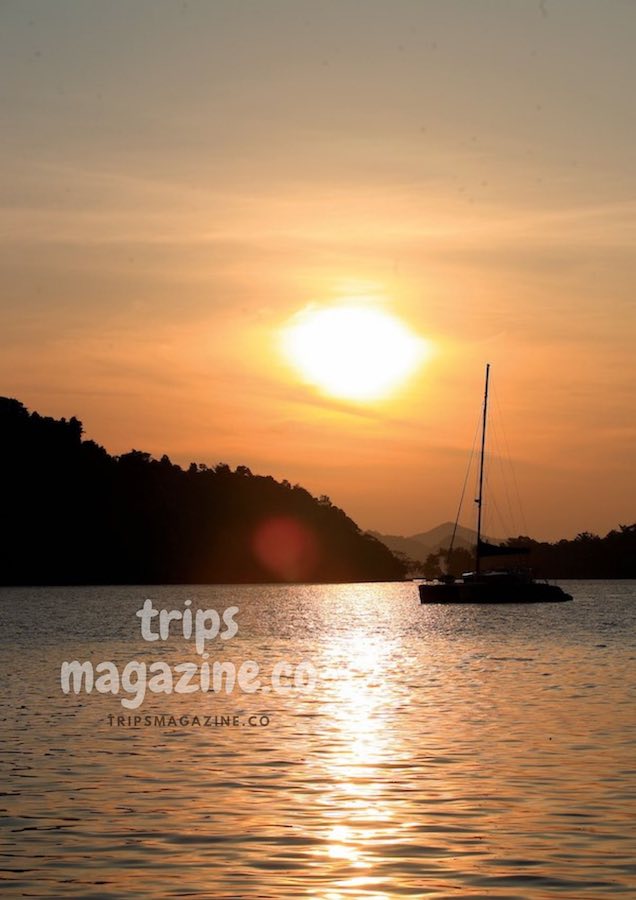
(75, 514)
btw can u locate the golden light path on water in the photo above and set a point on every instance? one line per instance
(442, 752)
(355, 801)
(366, 801)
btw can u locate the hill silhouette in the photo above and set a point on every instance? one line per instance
(419, 546)
(586, 556)
(74, 514)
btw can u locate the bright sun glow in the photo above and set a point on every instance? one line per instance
(352, 351)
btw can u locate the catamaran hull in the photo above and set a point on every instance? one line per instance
(458, 592)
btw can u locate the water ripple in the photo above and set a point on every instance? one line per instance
(444, 753)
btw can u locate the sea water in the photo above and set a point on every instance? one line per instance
(439, 752)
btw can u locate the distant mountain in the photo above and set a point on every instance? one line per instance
(419, 546)
(406, 545)
(587, 556)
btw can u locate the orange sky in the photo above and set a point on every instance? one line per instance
(183, 178)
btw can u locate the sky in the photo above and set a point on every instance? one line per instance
(183, 180)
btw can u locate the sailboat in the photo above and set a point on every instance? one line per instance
(490, 586)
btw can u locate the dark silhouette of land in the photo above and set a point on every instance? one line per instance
(587, 556)
(420, 546)
(73, 514)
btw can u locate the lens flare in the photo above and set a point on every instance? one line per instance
(287, 548)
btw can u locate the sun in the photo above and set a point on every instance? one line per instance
(353, 352)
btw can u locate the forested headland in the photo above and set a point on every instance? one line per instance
(74, 514)
(586, 556)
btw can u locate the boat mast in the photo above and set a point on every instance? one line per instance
(479, 500)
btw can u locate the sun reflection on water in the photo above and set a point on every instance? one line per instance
(357, 814)
(443, 753)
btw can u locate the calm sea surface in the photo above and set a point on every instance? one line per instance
(442, 753)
